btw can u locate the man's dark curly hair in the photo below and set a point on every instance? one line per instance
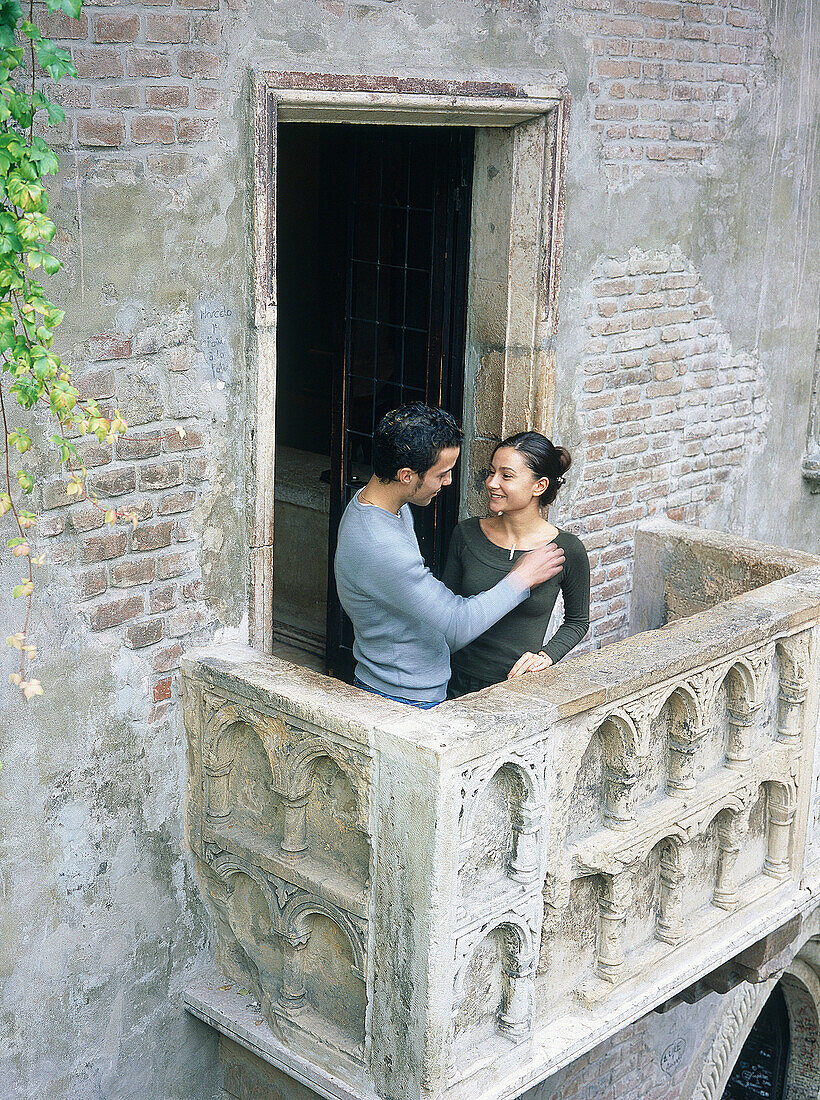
(413, 436)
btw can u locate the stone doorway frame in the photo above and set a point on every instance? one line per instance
(515, 259)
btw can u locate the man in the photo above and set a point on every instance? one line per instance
(405, 621)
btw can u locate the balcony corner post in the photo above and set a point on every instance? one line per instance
(795, 661)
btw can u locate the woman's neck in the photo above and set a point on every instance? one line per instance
(521, 527)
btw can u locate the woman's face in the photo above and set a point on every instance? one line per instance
(511, 484)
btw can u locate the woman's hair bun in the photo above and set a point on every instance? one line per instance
(564, 458)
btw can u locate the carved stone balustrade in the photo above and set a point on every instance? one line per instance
(420, 905)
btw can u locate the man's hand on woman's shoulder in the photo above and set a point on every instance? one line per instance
(539, 565)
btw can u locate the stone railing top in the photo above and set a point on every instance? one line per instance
(532, 703)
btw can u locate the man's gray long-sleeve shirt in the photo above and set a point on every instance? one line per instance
(405, 621)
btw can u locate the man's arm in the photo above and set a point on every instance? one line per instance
(409, 589)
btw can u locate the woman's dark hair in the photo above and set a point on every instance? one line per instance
(412, 436)
(542, 457)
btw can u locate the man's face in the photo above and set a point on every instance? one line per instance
(437, 477)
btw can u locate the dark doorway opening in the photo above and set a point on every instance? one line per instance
(760, 1071)
(373, 226)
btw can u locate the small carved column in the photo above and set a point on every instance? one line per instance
(293, 996)
(515, 1018)
(730, 832)
(618, 787)
(684, 741)
(294, 834)
(741, 714)
(674, 865)
(794, 682)
(613, 907)
(524, 859)
(782, 807)
(217, 769)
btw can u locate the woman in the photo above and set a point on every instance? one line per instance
(525, 474)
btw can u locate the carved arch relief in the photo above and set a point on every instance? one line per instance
(494, 981)
(501, 825)
(274, 924)
(219, 756)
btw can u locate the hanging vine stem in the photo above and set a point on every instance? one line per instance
(34, 374)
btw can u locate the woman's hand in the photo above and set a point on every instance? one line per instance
(529, 662)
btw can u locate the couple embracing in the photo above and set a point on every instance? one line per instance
(485, 621)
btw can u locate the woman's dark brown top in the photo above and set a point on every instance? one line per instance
(475, 564)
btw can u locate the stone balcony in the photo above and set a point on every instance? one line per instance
(456, 903)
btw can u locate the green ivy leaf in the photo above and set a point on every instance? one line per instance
(70, 7)
(26, 480)
(54, 59)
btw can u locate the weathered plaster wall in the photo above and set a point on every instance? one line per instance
(688, 180)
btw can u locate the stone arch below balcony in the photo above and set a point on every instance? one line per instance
(494, 985)
(325, 808)
(746, 688)
(324, 984)
(602, 793)
(569, 940)
(239, 790)
(500, 828)
(249, 949)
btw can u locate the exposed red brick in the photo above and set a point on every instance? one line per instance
(116, 612)
(153, 130)
(162, 476)
(208, 28)
(109, 346)
(91, 582)
(171, 27)
(148, 632)
(113, 483)
(195, 129)
(127, 574)
(168, 657)
(153, 536)
(176, 502)
(208, 99)
(162, 689)
(175, 565)
(63, 27)
(148, 63)
(167, 96)
(182, 439)
(100, 130)
(116, 27)
(129, 95)
(147, 445)
(162, 599)
(201, 63)
(104, 547)
(87, 518)
(93, 62)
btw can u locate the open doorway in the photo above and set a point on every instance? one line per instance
(373, 227)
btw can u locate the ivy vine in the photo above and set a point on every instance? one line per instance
(33, 377)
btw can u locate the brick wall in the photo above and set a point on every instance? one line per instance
(667, 78)
(668, 413)
(139, 586)
(147, 92)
